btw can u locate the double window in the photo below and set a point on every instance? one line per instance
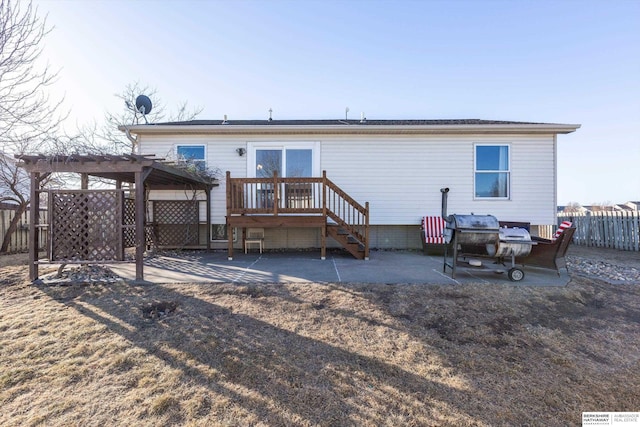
(492, 171)
(289, 160)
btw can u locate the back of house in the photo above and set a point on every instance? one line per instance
(502, 168)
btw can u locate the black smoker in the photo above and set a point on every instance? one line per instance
(481, 235)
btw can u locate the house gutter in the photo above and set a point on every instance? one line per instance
(351, 129)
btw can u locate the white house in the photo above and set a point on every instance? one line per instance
(503, 168)
(632, 206)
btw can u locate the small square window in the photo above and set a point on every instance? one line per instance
(194, 154)
(219, 233)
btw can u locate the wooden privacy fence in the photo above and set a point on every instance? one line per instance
(618, 230)
(20, 238)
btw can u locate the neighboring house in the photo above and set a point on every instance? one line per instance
(600, 208)
(623, 208)
(574, 208)
(630, 206)
(503, 168)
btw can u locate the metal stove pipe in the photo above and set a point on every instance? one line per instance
(444, 192)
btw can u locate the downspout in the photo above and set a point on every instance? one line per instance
(555, 178)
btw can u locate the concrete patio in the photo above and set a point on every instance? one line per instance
(384, 267)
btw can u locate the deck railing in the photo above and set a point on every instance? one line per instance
(276, 195)
(302, 196)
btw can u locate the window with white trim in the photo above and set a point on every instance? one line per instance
(295, 159)
(492, 171)
(195, 154)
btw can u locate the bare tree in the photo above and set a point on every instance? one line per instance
(112, 140)
(29, 119)
(573, 207)
(107, 138)
(602, 206)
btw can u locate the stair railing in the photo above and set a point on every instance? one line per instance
(346, 212)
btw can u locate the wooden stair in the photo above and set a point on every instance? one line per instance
(347, 240)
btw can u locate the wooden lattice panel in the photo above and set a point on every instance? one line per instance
(129, 221)
(86, 225)
(176, 222)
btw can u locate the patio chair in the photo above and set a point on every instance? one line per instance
(255, 236)
(431, 234)
(548, 253)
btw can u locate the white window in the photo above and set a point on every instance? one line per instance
(492, 171)
(295, 159)
(194, 154)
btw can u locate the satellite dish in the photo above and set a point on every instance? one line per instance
(143, 104)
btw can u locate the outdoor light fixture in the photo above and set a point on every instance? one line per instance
(240, 151)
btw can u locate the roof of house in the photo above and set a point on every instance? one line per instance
(624, 208)
(329, 122)
(351, 126)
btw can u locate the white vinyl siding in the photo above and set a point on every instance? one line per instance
(221, 156)
(400, 176)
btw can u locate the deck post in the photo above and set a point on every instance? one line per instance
(323, 238)
(366, 232)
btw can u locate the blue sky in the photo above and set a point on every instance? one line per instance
(543, 61)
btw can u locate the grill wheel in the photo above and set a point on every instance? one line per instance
(516, 274)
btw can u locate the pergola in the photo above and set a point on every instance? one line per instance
(145, 172)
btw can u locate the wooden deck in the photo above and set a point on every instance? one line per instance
(299, 202)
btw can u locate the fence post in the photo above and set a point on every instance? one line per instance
(587, 231)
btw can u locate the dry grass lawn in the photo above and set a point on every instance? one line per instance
(315, 355)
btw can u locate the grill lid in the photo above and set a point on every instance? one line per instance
(475, 223)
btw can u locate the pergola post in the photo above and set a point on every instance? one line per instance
(207, 192)
(229, 229)
(140, 238)
(34, 210)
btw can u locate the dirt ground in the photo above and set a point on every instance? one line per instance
(318, 355)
